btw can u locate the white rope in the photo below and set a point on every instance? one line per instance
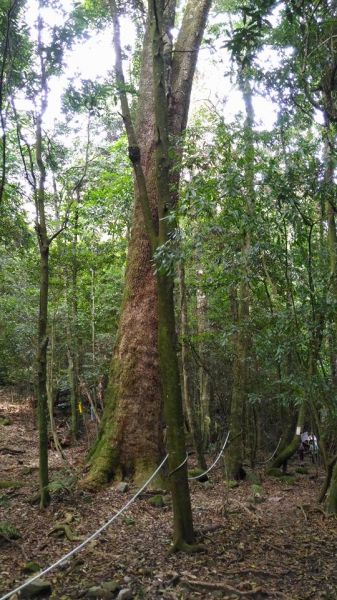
(264, 462)
(211, 467)
(89, 539)
(179, 466)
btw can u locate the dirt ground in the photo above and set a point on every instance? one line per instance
(273, 542)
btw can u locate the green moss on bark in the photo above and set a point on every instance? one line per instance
(282, 458)
(331, 498)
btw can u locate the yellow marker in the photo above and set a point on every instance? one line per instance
(80, 408)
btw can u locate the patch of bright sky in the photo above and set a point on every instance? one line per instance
(93, 58)
(213, 84)
(213, 87)
(88, 59)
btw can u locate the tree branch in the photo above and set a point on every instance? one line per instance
(134, 150)
(184, 62)
(5, 52)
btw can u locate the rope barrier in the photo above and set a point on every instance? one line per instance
(212, 466)
(89, 539)
(106, 525)
(177, 468)
(264, 462)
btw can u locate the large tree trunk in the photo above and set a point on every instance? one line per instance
(130, 441)
(131, 438)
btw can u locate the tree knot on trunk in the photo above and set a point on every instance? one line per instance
(134, 154)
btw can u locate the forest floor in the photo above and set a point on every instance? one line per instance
(273, 542)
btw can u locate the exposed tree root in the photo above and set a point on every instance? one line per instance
(208, 529)
(67, 531)
(307, 509)
(187, 548)
(301, 507)
(278, 549)
(5, 450)
(328, 478)
(223, 587)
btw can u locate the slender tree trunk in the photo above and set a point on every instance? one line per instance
(331, 484)
(11, 14)
(50, 393)
(331, 241)
(234, 456)
(326, 485)
(174, 418)
(204, 377)
(183, 534)
(72, 333)
(43, 240)
(73, 391)
(190, 407)
(72, 357)
(242, 338)
(42, 405)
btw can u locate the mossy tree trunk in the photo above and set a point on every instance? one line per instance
(72, 330)
(50, 389)
(205, 389)
(331, 495)
(42, 340)
(167, 338)
(44, 243)
(37, 180)
(234, 455)
(173, 410)
(131, 437)
(287, 452)
(319, 74)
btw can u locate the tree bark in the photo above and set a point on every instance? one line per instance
(42, 339)
(169, 367)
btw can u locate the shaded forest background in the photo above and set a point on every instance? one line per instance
(250, 242)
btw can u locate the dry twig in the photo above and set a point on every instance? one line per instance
(217, 586)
